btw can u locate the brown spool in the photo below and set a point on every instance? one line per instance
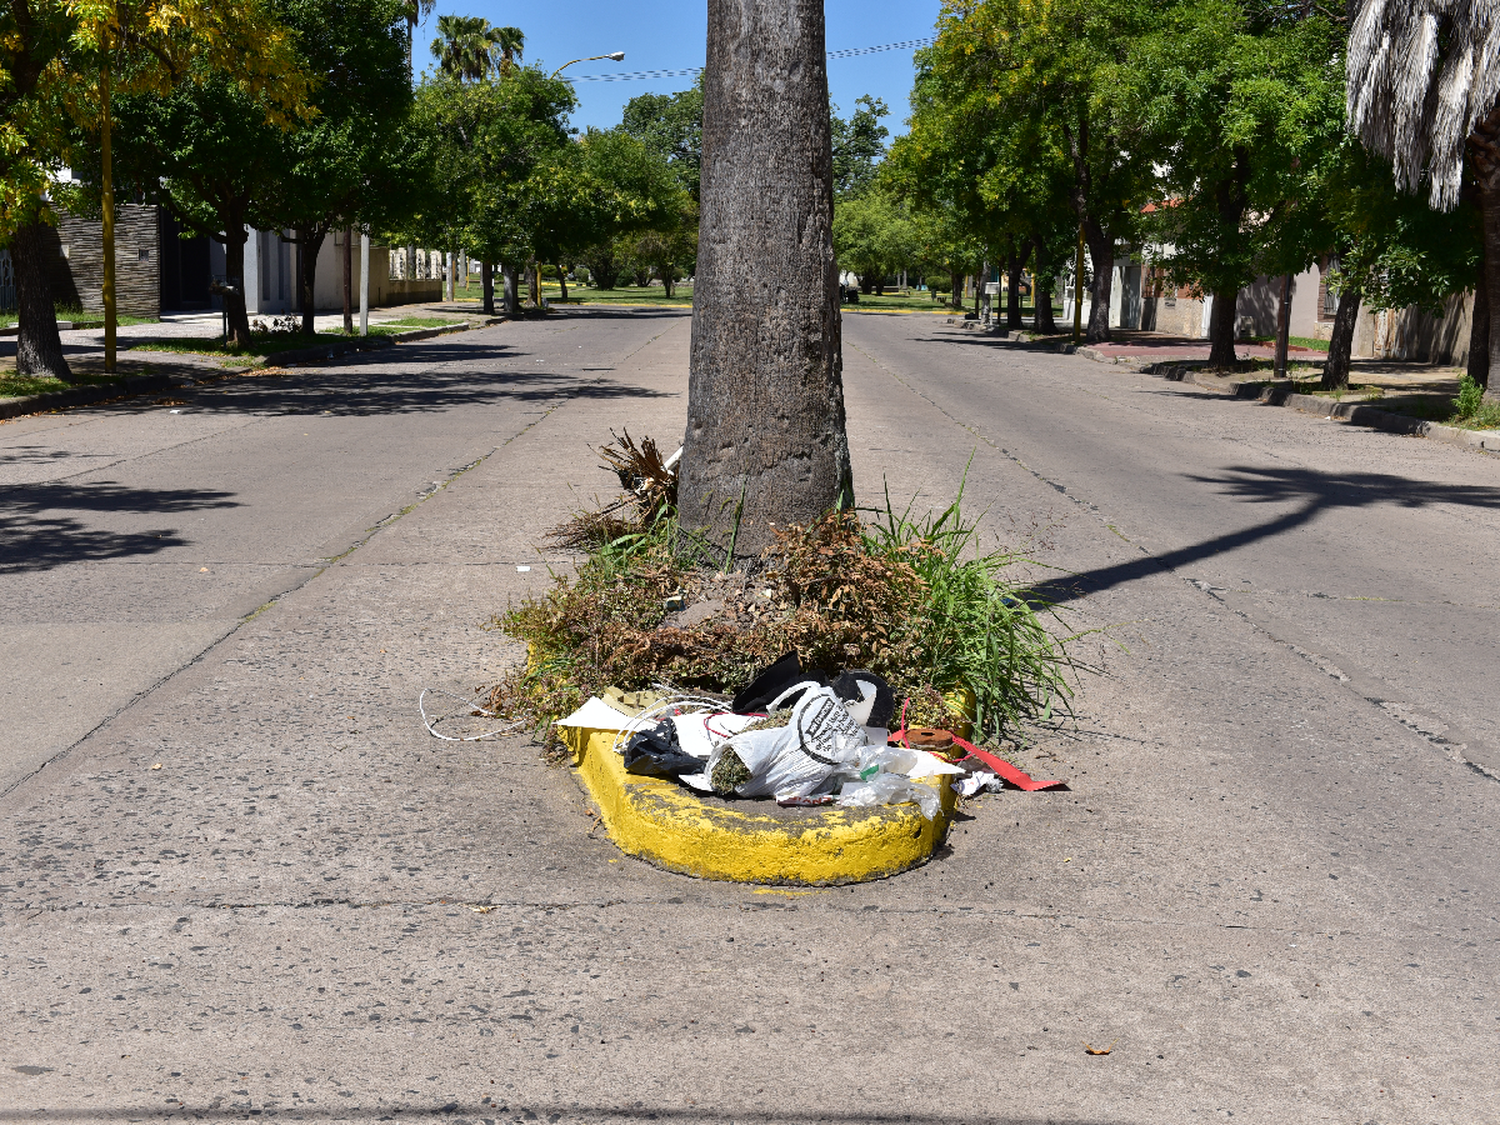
(929, 738)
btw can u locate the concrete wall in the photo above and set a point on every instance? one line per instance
(271, 285)
(79, 277)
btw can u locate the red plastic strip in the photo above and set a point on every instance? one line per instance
(1006, 772)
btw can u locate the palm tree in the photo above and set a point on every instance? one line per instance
(415, 11)
(466, 45)
(511, 42)
(1424, 93)
(462, 47)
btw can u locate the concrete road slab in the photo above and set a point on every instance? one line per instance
(1264, 894)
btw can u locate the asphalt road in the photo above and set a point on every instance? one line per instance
(238, 878)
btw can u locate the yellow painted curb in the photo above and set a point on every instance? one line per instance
(668, 826)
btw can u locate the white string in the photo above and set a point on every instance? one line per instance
(472, 706)
(656, 711)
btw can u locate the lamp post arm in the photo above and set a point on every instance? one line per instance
(617, 56)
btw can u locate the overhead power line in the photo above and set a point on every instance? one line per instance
(909, 44)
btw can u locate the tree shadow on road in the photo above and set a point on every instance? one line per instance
(40, 529)
(1312, 493)
(439, 377)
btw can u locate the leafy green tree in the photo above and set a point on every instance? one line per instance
(1388, 248)
(607, 186)
(211, 153)
(1237, 107)
(349, 163)
(497, 148)
(671, 125)
(1047, 72)
(510, 41)
(858, 145)
(462, 47)
(62, 62)
(874, 237)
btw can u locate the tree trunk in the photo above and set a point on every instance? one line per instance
(562, 281)
(33, 249)
(1479, 335)
(765, 443)
(1015, 264)
(235, 315)
(487, 287)
(1102, 253)
(349, 282)
(1221, 351)
(308, 247)
(534, 284)
(1042, 300)
(1283, 325)
(1489, 207)
(1341, 343)
(511, 290)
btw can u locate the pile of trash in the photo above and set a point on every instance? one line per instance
(802, 737)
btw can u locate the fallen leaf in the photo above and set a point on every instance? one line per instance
(1098, 1050)
(157, 766)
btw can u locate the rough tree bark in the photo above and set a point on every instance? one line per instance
(510, 291)
(234, 272)
(1043, 322)
(309, 246)
(1232, 204)
(1489, 205)
(1221, 351)
(1102, 255)
(38, 346)
(1341, 342)
(487, 288)
(765, 442)
(349, 282)
(1479, 336)
(1283, 325)
(1015, 263)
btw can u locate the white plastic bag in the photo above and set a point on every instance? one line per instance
(821, 744)
(891, 789)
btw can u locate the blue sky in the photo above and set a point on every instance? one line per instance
(669, 35)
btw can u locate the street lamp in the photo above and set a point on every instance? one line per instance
(617, 56)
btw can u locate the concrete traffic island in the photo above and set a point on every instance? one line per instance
(672, 828)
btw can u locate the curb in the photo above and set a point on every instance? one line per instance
(85, 396)
(1354, 413)
(373, 343)
(667, 826)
